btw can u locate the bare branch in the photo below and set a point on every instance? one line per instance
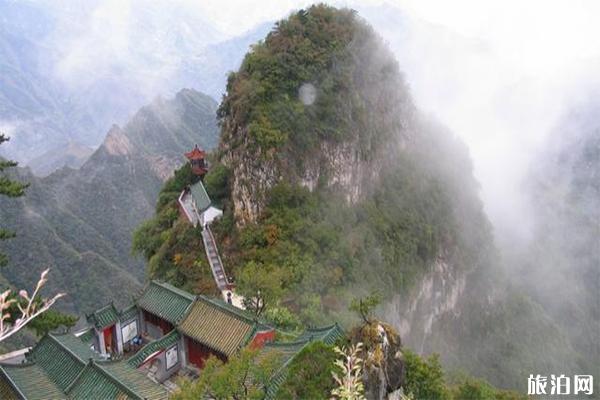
(27, 312)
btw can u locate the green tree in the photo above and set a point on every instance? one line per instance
(50, 321)
(364, 306)
(424, 377)
(310, 374)
(244, 377)
(478, 389)
(261, 285)
(216, 182)
(44, 323)
(10, 188)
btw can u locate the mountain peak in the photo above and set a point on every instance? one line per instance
(309, 120)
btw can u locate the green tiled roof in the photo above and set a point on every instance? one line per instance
(8, 390)
(165, 301)
(128, 313)
(105, 316)
(238, 312)
(60, 363)
(160, 344)
(114, 380)
(27, 381)
(201, 199)
(217, 325)
(77, 346)
(56, 370)
(136, 380)
(328, 334)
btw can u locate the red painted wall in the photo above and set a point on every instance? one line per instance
(261, 338)
(198, 353)
(108, 338)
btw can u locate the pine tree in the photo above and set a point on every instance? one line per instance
(10, 188)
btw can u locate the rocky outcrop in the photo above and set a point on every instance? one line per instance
(116, 142)
(383, 368)
(337, 167)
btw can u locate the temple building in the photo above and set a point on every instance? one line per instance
(136, 352)
(179, 329)
(194, 203)
(197, 161)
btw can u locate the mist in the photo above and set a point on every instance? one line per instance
(499, 74)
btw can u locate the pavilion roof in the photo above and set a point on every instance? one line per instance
(128, 313)
(63, 366)
(195, 154)
(287, 351)
(114, 380)
(62, 357)
(157, 345)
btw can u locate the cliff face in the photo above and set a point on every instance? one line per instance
(434, 297)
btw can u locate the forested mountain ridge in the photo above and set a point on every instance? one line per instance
(334, 185)
(80, 222)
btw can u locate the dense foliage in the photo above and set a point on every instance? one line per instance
(309, 375)
(310, 46)
(310, 250)
(425, 380)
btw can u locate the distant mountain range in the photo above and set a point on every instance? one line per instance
(62, 87)
(80, 222)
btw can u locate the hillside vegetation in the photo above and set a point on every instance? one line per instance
(353, 191)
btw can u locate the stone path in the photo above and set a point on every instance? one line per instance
(212, 253)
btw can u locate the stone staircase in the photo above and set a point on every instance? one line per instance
(212, 253)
